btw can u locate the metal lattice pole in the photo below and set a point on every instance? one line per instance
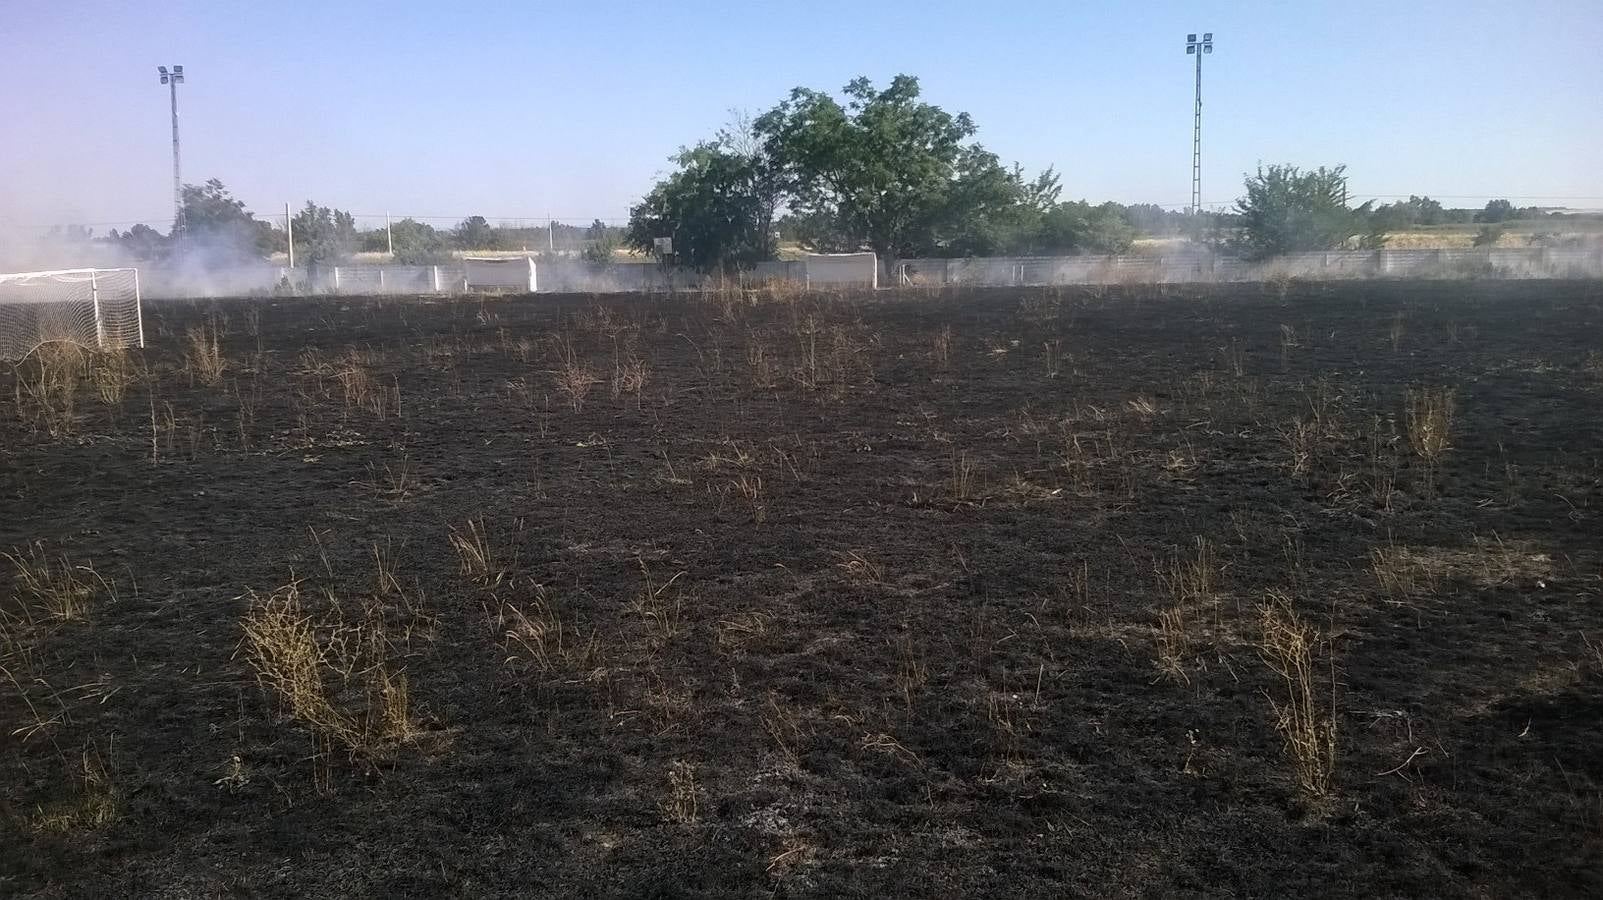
(1196, 145)
(1197, 48)
(173, 79)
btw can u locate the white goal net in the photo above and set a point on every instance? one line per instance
(96, 308)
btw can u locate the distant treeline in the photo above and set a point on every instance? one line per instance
(1416, 211)
(885, 172)
(218, 231)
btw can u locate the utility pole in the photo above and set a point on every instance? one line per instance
(289, 236)
(173, 79)
(1197, 48)
(550, 234)
(389, 235)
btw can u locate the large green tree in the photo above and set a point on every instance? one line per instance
(891, 172)
(323, 236)
(1079, 226)
(474, 233)
(218, 229)
(1288, 210)
(140, 242)
(417, 243)
(1415, 210)
(713, 207)
(1501, 211)
(990, 209)
(600, 242)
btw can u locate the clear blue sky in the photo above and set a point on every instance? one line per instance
(419, 107)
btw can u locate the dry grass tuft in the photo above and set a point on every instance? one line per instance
(111, 372)
(750, 488)
(1010, 723)
(964, 481)
(476, 558)
(661, 606)
(784, 724)
(912, 672)
(394, 481)
(96, 801)
(204, 355)
(53, 586)
(46, 387)
(860, 568)
(760, 363)
(1304, 715)
(334, 677)
(1188, 582)
(1196, 579)
(1430, 414)
(1302, 443)
(1173, 643)
(536, 637)
(362, 389)
(629, 376)
(743, 629)
(681, 804)
(1399, 573)
(1052, 356)
(572, 378)
(941, 346)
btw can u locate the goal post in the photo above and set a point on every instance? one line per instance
(95, 308)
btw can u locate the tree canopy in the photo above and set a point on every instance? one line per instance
(879, 169)
(417, 243)
(711, 208)
(601, 241)
(323, 236)
(217, 228)
(474, 233)
(889, 170)
(1288, 210)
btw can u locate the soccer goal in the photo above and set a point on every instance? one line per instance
(96, 308)
(515, 272)
(842, 269)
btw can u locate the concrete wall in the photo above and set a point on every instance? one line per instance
(573, 276)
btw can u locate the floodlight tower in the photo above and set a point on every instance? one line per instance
(1197, 48)
(173, 79)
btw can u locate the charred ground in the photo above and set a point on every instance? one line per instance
(936, 594)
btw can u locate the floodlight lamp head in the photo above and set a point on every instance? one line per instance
(1191, 38)
(178, 74)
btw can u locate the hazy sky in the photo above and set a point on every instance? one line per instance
(424, 108)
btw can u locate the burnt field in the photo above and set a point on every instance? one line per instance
(1234, 590)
